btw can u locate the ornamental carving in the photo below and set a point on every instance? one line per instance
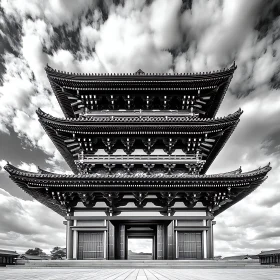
(109, 144)
(88, 199)
(128, 145)
(169, 145)
(149, 145)
(139, 198)
(148, 166)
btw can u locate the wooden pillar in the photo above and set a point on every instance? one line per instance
(210, 240)
(122, 241)
(160, 242)
(212, 243)
(69, 240)
(170, 241)
(204, 242)
(111, 241)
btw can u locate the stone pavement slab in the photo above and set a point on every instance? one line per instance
(139, 274)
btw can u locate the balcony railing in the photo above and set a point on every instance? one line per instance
(140, 159)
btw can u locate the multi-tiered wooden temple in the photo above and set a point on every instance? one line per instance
(139, 146)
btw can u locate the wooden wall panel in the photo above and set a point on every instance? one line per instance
(91, 245)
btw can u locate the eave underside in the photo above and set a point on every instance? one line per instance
(62, 193)
(202, 92)
(205, 136)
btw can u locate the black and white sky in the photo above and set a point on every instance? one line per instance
(156, 36)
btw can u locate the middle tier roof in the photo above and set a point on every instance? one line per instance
(198, 139)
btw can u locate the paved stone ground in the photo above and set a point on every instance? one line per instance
(140, 274)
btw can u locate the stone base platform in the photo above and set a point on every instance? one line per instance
(165, 264)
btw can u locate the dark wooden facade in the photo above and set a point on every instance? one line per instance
(7, 257)
(139, 146)
(270, 257)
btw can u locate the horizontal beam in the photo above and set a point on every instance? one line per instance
(139, 209)
(137, 218)
(137, 159)
(191, 228)
(87, 228)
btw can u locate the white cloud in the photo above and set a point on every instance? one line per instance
(164, 23)
(57, 12)
(157, 38)
(2, 164)
(28, 224)
(28, 167)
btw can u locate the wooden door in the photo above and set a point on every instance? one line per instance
(91, 245)
(190, 245)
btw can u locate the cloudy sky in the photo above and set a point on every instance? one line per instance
(156, 36)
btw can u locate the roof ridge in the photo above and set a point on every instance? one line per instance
(230, 68)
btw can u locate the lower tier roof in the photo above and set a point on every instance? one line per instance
(62, 192)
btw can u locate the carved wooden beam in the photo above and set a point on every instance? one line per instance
(109, 145)
(109, 166)
(169, 167)
(140, 197)
(169, 145)
(148, 166)
(149, 145)
(128, 145)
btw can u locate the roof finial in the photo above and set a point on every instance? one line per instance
(140, 72)
(233, 65)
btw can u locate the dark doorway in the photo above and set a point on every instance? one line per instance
(141, 248)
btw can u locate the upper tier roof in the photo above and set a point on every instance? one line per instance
(58, 190)
(71, 136)
(203, 92)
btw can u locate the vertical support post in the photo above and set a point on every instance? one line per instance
(160, 242)
(170, 241)
(122, 241)
(204, 242)
(212, 243)
(210, 240)
(111, 241)
(69, 240)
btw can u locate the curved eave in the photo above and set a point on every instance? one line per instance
(90, 77)
(60, 80)
(241, 196)
(219, 146)
(60, 145)
(35, 193)
(84, 123)
(35, 184)
(54, 126)
(28, 176)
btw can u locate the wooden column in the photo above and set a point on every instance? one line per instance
(212, 243)
(69, 240)
(122, 241)
(111, 241)
(170, 241)
(160, 242)
(210, 240)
